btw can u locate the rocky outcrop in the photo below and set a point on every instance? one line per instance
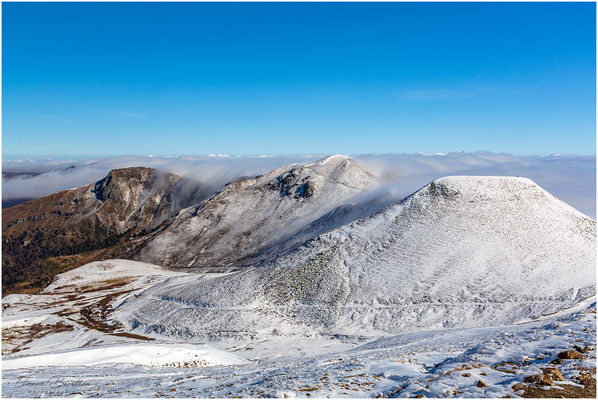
(570, 355)
(540, 379)
(127, 202)
(554, 373)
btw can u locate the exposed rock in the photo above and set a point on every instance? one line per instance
(582, 350)
(466, 374)
(540, 379)
(554, 373)
(518, 386)
(587, 378)
(570, 355)
(127, 202)
(481, 384)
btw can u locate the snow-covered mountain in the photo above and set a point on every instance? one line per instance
(460, 252)
(472, 286)
(252, 220)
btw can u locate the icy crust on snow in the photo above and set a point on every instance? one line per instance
(461, 252)
(249, 220)
(138, 354)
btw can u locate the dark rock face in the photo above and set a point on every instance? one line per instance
(127, 202)
(101, 190)
(481, 384)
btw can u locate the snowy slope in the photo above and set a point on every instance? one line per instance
(460, 252)
(104, 272)
(74, 311)
(468, 279)
(253, 219)
(138, 354)
(437, 363)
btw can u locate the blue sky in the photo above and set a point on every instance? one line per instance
(296, 78)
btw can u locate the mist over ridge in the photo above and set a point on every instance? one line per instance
(571, 178)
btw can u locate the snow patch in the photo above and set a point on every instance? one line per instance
(138, 354)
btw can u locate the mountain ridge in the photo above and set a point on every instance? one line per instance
(253, 215)
(127, 202)
(459, 252)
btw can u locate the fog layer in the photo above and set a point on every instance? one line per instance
(570, 178)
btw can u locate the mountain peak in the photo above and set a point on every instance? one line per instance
(280, 204)
(95, 216)
(335, 158)
(331, 162)
(131, 172)
(122, 179)
(487, 191)
(479, 182)
(341, 169)
(484, 188)
(481, 178)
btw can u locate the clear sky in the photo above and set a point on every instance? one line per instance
(292, 78)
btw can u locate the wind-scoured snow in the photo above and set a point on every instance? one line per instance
(99, 271)
(73, 311)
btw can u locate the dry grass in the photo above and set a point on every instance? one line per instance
(95, 317)
(28, 334)
(567, 391)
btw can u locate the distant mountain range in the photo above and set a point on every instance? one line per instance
(314, 238)
(311, 271)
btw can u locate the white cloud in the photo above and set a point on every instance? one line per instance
(570, 178)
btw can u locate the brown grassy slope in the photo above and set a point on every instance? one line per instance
(124, 206)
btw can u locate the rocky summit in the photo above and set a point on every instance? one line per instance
(127, 202)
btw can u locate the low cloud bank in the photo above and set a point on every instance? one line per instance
(570, 178)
